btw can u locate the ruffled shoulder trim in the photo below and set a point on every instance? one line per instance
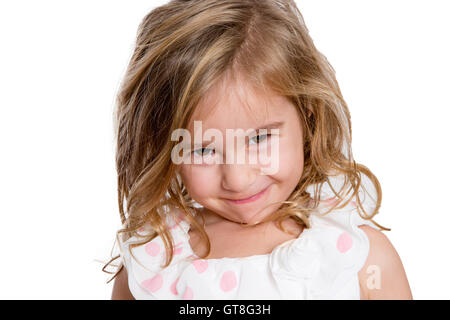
(330, 254)
(144, 262)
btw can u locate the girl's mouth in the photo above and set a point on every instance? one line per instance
(250, 199)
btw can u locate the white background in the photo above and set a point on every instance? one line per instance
(60, 67)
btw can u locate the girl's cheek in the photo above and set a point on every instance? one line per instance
(291, 160)
(272, 156)
(198, 179)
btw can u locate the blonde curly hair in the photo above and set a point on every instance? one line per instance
(182, 49)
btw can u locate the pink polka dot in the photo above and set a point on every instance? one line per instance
(153, 284)
(228, 281)
(152, 248)
(200, 265)
(331, 202)
(188, 294)
(177, 249)
(344, 242)
(353, 203)
(173, 287)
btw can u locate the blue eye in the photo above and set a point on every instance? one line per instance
(261, 137)
(202, 153)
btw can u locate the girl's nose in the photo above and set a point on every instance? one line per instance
(237, 178)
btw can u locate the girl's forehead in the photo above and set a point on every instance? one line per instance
(235, 105)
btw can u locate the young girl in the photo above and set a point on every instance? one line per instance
(299, 226)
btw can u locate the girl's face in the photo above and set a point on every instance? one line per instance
(235, 105)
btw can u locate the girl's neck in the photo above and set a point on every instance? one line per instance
(212, 218)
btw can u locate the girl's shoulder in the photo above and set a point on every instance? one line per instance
(383, 275)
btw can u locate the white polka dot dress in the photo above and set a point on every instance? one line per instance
(322, 263)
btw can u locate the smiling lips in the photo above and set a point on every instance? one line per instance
(250, 199)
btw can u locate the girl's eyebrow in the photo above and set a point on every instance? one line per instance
(272, 125)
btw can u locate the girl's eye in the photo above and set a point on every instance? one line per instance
(199, 152)
(260, 137)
